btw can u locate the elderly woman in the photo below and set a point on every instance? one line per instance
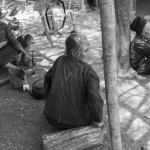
(140, 46)
(10, 47)
(72, 88)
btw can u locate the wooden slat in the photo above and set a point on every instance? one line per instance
(73, 139)
(4, 81)
(31, 2)
(4, 76)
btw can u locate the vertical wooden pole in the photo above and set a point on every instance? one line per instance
(97, 3)
(41, 7)
(84, 5)
(51, 18)
(107, 13)
(122, 12)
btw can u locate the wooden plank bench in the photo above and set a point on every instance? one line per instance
(4, 76)
(74, 139)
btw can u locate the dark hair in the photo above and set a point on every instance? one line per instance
(25, 40)
(138, 25)
(74, 43)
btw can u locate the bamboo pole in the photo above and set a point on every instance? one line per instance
(107, 13)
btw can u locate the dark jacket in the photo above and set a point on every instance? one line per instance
(72, 93)
(9, 51)
(140, 55)
(7, 34)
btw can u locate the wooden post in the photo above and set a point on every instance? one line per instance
(84, 5)
(107, 13)
(97, 3)
(41, 7)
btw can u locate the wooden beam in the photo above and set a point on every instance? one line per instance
(84, 5)
(31, 2)
(4, 76)
(4, 81)
(73, 139)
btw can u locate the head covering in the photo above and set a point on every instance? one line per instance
(2, 15)
(138, 25)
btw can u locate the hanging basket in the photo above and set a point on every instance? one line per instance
(16, 77)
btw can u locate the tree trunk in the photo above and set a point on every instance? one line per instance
(122, 11)
(107, 13)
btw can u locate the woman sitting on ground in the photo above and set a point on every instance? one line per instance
(72, 88)
(140, 46)
(10, 47)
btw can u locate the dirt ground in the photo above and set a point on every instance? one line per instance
(22, 121)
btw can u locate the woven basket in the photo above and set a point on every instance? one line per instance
(16, 77)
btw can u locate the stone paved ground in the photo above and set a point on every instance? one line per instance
(22, 122)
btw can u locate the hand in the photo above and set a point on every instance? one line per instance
(98, 125)
(3, 44)
(27, 56)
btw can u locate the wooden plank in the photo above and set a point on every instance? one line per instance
(73, 139)
(4, 81)
(4, 76)
(31, 2)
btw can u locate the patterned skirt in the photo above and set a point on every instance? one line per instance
(7, 54)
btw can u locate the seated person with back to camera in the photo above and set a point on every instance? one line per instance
(140, 46)
(72, 88)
